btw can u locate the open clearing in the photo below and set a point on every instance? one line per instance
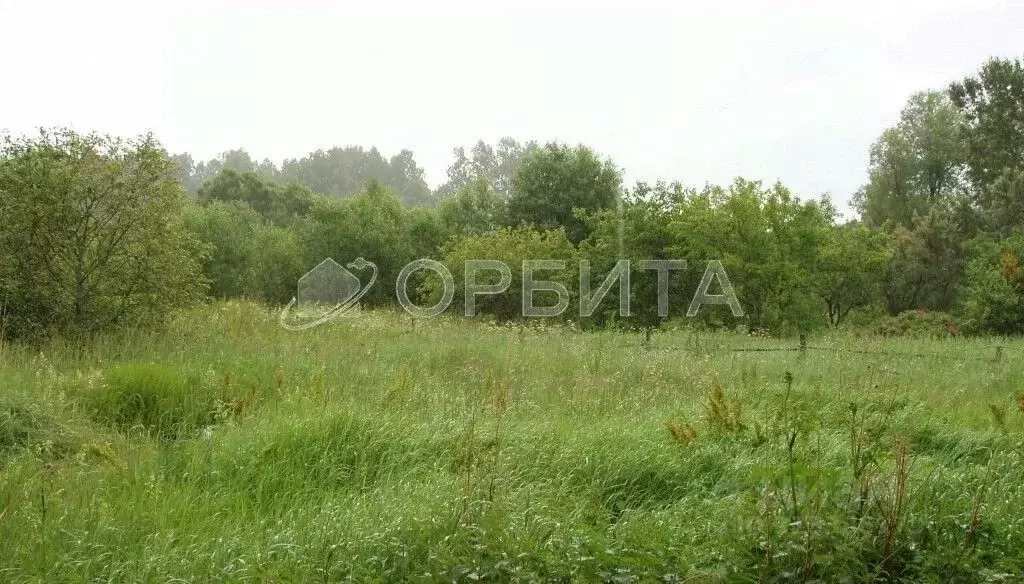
(376, 449)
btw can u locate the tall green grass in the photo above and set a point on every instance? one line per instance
(225, 448)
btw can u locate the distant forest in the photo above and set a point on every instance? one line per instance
(344, 171)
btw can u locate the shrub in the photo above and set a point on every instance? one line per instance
(512, 247)
(994, 290)
(919, 324)
(98, 236)
(248, 257)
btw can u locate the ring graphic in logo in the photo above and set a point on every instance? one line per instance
(326, 292)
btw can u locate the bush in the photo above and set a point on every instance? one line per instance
(248, 256)
(994, 291)
(97, 238)
(373, 225)
(512, 247)
(919, 324)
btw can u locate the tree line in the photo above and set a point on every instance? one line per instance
(342, 172)
(101, 232)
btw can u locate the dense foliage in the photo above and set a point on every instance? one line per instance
(98, 233)
(92, 235)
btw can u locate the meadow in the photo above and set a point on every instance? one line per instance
(376, 448)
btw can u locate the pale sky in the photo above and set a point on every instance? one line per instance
(691, 91)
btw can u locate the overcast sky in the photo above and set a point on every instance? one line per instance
(694, 91)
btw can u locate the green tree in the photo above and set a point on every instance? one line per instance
(426, 232)
(373, 225)
(279, 203)
(497, 165)
(638, 231)
(1003, 211)
(280, 262)
(994, 290)
(768, 241)
(92, 236)
(916, 165)
(186, 172)
(228, 230)
(342, 172)
(473, 209)
(405, 177)
(992, 103)
(851, 266)
(247, 256)
(557, 183)
(926, 264)
(193, 174)
(511, 247)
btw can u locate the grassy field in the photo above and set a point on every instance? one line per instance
(376, 449)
